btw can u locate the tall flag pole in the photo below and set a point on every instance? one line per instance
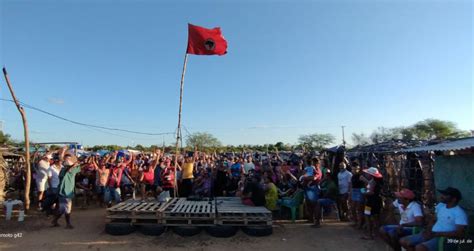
(178, 132)
(201, 41)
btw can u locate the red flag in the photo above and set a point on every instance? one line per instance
(202, 41)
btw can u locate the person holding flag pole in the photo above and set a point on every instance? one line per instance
(201, 41)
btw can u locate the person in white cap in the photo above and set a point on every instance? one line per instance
(42, 177)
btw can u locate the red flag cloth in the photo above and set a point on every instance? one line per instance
(202, 41)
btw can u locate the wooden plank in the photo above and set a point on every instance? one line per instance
(130, 206)
(184, 208)
(202, 209)
(178, 205)
(143, 207)
(116, 206)
(124, 205)
(191, 207)
(138, 207)
(147, 207)
(155, 207)
(168, 204)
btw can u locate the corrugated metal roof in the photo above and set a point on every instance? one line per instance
(390, 146)
(460, 144)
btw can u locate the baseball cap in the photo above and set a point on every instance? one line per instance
(451, 191)
(405, 193)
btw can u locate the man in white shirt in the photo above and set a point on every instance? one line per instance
(451, 221)
(53, 175)
(42, 177)
(248, 165)
(411, 215)
(344, 181)
(53, 186)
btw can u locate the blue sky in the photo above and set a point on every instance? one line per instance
(292, 68)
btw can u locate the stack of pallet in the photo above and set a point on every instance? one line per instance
(136, 212)
(182, 212)
(231, 211)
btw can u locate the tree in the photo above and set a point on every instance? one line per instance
(427, 129)
(316, 141)
(54, 147)
(407, 133)
(5, 138)
(139, 147)
(202, 140)
(97, 148)
(280, 146)
(360, 139)
(437, 129)
(112, 148)
(382, 134)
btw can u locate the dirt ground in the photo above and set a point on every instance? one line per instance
(88, 234)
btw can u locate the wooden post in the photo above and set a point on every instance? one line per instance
(178, 133)
(27, 141)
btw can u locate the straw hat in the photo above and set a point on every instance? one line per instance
(374, 172)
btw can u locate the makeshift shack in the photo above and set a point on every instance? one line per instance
(453, 166)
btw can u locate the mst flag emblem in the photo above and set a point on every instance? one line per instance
(202, 41)
(210, 44)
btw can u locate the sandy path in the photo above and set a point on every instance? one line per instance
(89, 235)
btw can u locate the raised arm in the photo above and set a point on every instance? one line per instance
(291, 175)
(62, 153)
(94, 163)
(130, 159)
(195, 155)
(156, 160)
(278, 155)
(114, 157)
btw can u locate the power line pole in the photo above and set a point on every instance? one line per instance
(343, 138)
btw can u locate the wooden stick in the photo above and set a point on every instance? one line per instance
(178, 133)
(27, 141)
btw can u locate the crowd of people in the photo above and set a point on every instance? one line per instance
(353, 191)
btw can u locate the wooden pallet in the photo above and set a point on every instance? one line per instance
(180, 207)
(233, 212)
(136, 212)
(180, 211)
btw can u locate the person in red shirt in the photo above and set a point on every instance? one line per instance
(112, 189)
(168, 176)
(147, 177)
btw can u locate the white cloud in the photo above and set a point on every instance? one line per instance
(56, 101)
